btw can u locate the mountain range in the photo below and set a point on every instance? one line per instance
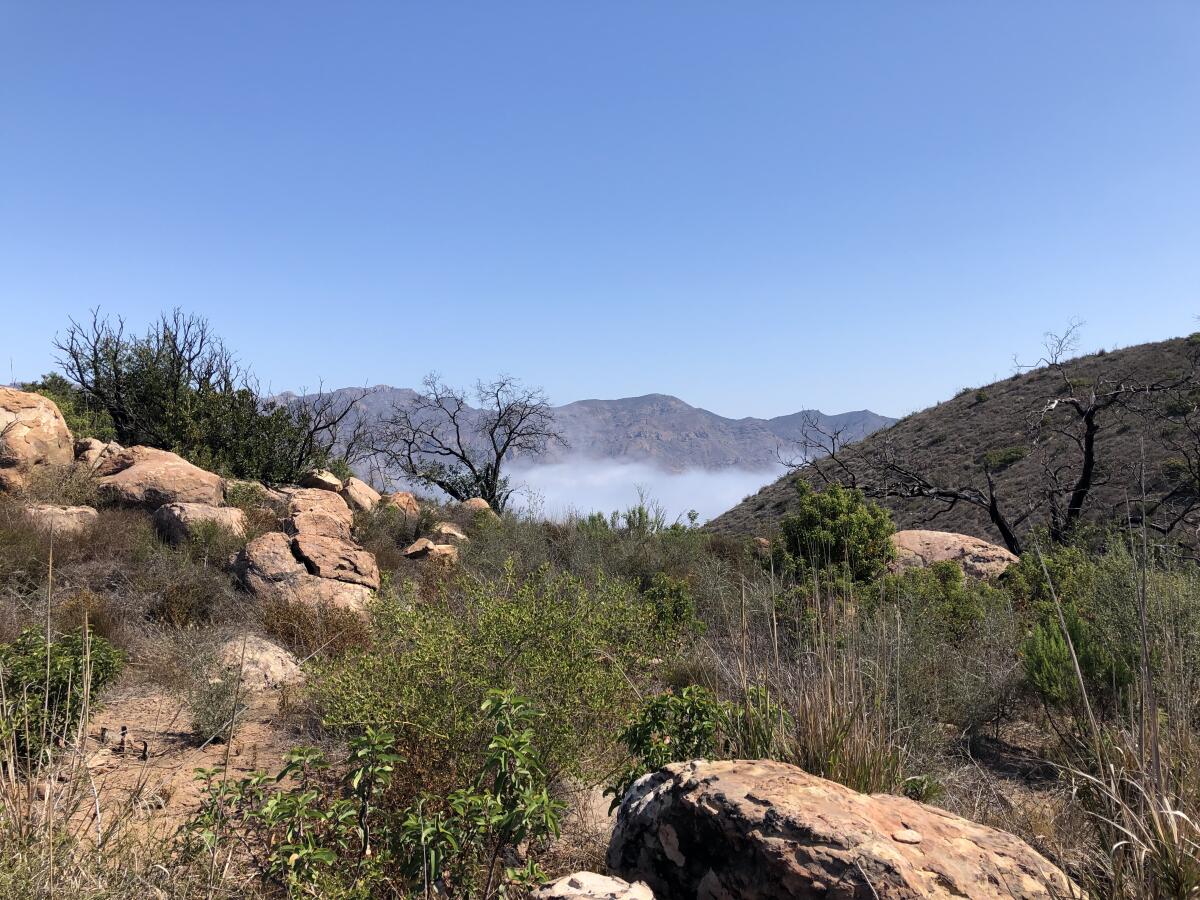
(666, 432)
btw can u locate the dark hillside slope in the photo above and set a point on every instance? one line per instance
(947, 442)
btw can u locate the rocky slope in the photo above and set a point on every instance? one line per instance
(947, 442)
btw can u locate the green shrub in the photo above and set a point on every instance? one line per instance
(579, 650)
(316, 836)
(673, 606)
(837, 529)
(46, 686)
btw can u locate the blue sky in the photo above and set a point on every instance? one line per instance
(757, 207)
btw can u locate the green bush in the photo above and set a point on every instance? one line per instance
(46, 686)
(579, 650)
(316, 836)
(838, 530)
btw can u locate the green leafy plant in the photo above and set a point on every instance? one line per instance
(839, 530)
(45, 687)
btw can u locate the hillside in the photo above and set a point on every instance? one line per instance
(947, 442)
(666, 432)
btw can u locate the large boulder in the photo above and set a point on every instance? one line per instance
(146, 476)
(448, 533)
(321, 480)
(763, 830)
(32, 433)
(979, 559)
(325, 503)
(479, 505)
(405, 502)
(341, 560)
(263, 664)
(178, 522)
(90, 452)
(270, 570)
(590, 886)
(360, 495)
(61, 520)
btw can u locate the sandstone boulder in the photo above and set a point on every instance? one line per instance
(404, 502)
(341, 560)
(90, 452)
(315, 500)
(145, 476)
(978, 558)
(590, 886)
(448, 533)
(418, 548)
(322, 480)
(62, 520)
(479, 505)
(177, 522)
(263, 664)
(761, 830)
(360, 495)
(32, 433)
(424, 548)
(269, 569)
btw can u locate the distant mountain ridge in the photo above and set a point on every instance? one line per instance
(665, 431)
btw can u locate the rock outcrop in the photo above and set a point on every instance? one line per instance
(177, 522)
(590, 886)
(424, 548)
(405, 502)
(448, 533)
(978, 558)
(761, 830)
(145, 476)
(66, 521)
(263, 664)
(269, 569)
(90, 452)
(359, 495)
(341, 560)
(32, 433)
(479, 505)
(322, 480)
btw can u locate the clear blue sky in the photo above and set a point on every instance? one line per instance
(757, 207)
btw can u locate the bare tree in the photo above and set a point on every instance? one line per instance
(439, 440)
(1062, 436)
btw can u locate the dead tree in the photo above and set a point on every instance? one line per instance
(438, 439)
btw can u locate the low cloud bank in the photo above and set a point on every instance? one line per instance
(557, 490)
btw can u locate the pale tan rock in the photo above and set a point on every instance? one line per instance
(32, 433)
(145, 476)
(269, 558)
(360, 495)
(403, 501)
(979, 559)
(424, 548)
(418, 548)
(762, 830)
(448, 533)
(446, 553)
(321, 479)
(90, 452)
(315, 500)
(177, 522)
(66, 521)
(321, 524)
(590, 886)
(479, 505)
(263, 665)
(269, 569)
(331, 557)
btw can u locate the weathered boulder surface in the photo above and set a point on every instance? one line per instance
(360, 495)
(448, 533)
(760, 830)
(590, 886)
(978, 558)
(315, 500)
(90, 452)
(479, 505)
(403, 501)
(322, 480)
(269, 569)
(32, 433)
(62, 520)
(424, 548)
(331, 557)
(145, 476)
(263, 664)
(177, 522)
